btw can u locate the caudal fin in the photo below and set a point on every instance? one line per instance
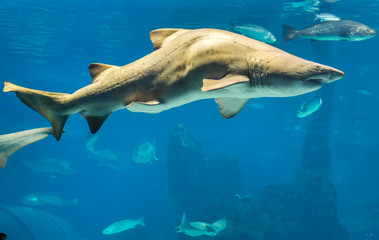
(48, 104)
(141, 221)
(289, 33)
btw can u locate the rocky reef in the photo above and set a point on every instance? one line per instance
(205, 184)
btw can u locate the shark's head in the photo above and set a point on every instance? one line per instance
(286, 75)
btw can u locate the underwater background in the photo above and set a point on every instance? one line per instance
(302, 178)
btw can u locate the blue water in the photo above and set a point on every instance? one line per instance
(48, 45)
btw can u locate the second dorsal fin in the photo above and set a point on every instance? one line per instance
(158, 36)
(96, 68)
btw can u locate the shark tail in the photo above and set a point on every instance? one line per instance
(289, 33)
(48, 104)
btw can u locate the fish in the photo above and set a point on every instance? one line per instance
(145, 152)
(256, 105)
(364, 92)
(123, 225)
(10, 143)
(309, 107)
(185, 66)
(326, 17)
(195, 229)
(105, 157)
(49, 165)
(244, 198)
(343, 30)
(254, 31)
(43, 199)
(302, 6)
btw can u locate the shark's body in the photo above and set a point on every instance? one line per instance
(187, 65)
(10, 143)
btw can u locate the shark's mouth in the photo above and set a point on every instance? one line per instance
(314, 82)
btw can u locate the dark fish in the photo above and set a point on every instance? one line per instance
(343, 30)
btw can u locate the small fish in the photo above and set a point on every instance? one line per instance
(145, 153)
(105, 157)
(123, 225)
(256, 105)
(302, 6)
(49, 165)
(195, 229)
(42, 199)
(309, 107)
(254, 31)
(343, 30)
(10, 143)
(245, 198)
(364, 92)
(326, 17)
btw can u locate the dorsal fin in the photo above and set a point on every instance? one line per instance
(96, 68)
(158, 36)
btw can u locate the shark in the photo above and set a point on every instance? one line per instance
(185, 66)
(10, 143)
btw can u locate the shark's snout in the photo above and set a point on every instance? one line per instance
(325, 76)
(334, 75)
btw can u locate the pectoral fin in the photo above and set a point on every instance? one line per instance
(228, 80)
(229, 107)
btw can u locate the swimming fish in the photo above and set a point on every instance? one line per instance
(343, 30)
(309, 107)
(10, 143)
(43, 199)
(185, 66)
(364, 92)
(145, 153)
(244, 198)
(254, 31)
(49, 165)
(195, 229)
(105, 157)
(326, 17)
(123, 225)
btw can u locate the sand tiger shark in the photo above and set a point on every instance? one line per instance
(185, 66)
(10, 143)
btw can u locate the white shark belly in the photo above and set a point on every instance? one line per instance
(242, 91)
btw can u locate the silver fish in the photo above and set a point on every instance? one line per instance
(326, 17)
(195, 229)
(49, 165)
(105, 157)
(309, 107)
(42, 199)
(343, 30)
(254, 31)
(10, 143)
(123, 225)
(186, 66)
(364, 92)
(145, 152)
